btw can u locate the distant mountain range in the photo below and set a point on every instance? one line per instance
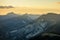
(12, 19)
(53, 20)
(51, 27)
(19, 27)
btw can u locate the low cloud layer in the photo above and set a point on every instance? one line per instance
(58, 2)
(6, 7)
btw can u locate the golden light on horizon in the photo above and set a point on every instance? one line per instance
(30, 6)
(23, 10)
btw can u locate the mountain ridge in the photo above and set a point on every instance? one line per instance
(28, 28)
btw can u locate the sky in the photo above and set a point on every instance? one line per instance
(34, 5)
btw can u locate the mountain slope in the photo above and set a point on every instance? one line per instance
(24, 27)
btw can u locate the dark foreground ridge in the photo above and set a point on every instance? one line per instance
(29, 27)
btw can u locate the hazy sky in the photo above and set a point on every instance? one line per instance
(42, 4)
(31, 3)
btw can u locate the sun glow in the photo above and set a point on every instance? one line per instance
(30, 6)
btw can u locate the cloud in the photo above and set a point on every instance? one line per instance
(6, 7)
(57, 2)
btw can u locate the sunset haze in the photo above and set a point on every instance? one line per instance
(30, 6)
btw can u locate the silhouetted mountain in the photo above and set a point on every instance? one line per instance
(48, 23)
(24, 27)
(13, 22)
(12, 14)
(53, 20)
(12, 19)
